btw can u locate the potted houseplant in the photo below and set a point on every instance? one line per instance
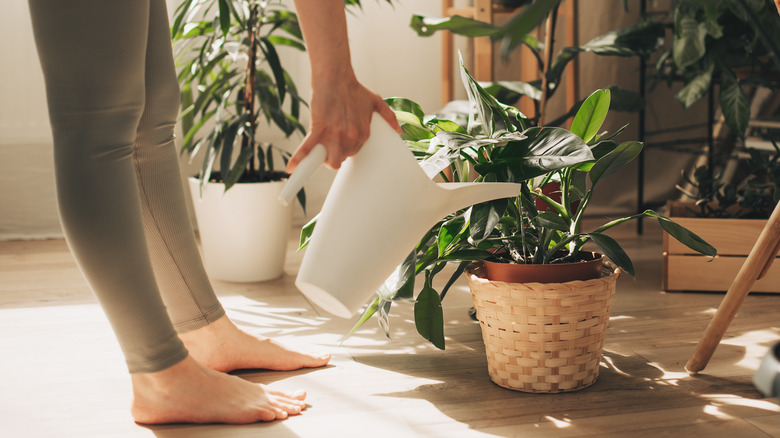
(496, 145)
(731, 215)
(735, 44)
(231, 78)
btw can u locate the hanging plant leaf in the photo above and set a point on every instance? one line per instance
(428, 315)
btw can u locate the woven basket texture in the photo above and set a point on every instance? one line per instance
(543, 337)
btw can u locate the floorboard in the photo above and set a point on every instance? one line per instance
(62, 374)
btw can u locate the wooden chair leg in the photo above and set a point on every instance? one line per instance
(756, 264)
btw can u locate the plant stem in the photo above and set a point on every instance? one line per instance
(549, 41)
(249, 88)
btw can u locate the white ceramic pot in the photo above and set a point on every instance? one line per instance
(243, 231)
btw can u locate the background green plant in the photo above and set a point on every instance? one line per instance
(733, 43)
(641, 39)
(231, 77)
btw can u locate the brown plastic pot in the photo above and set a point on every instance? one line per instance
(555, 273)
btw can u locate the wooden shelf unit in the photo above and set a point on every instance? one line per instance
(484, 54)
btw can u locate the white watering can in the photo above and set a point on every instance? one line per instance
(380, 204)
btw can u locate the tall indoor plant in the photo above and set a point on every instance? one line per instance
(234, 88)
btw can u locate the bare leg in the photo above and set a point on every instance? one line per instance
(93, 57)
(185, 288)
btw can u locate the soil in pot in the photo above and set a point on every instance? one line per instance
(588, 268)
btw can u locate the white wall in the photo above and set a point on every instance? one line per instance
(387, 56)
(27, 202)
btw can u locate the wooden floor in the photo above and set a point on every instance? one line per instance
(62, 374)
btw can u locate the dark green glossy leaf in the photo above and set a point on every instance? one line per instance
(449, 232)
(428, 315)
(224, 16)
(484, 218)
(615, 160)
(614, 251)
(552, 221)
(227, 148)
(239, 167)
(545, 149)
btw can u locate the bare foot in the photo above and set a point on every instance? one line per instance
(224, 347)
(191, 393)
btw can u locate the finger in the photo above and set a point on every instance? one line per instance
(387, 113)
(303, 150)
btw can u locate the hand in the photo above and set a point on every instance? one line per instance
(341, 114)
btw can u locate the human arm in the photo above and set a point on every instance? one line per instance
(341, 107)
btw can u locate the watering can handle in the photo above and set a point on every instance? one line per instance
(306, 167)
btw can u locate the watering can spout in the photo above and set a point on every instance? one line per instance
(380, 204)
(458, 196)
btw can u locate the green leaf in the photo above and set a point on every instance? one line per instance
(283, 41)
(224, 16)
(401, 104)
(487, 116)
(227, 148)
(484, 217)
(637, 40)
(544, 150)
(239, 167)
(591, 115)
(614, 251)
(696, 88)
(272, 57)
(449, 232)
(615, 160)
(683, 235)
(551, 220)
(510, 91)
(414, 133)
(306, 232)
(367, 314)
(428, 315)
(515, 31)
(688, 44)
(735, 104)
(427, 26)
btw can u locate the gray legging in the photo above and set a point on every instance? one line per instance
(113, 100)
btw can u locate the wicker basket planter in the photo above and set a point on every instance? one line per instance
(543, 337)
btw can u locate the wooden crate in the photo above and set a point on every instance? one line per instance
(687, 270)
